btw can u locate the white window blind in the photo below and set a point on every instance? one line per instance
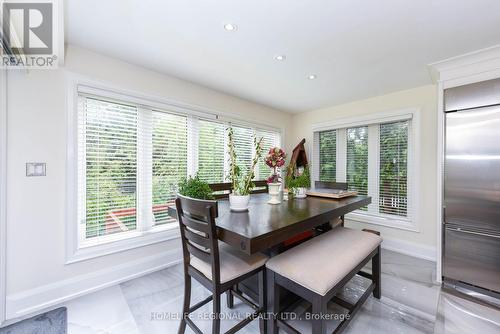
(109, 162)
(373, 159)
(393, 182)
(244, 147)
(328, 155)
(131, 158)
(170, 142)
(211, 150)
(357, 159)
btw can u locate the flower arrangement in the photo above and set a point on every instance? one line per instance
(242, 182)
(275, 159)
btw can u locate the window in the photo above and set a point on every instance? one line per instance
(328, 155)
(132, 156)
(375, 159)
(393, 178)
(357, 159)
(110, 167)
(170, 141)
(211, 150)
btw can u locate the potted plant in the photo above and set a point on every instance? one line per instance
(275, 159)
(195, 188)
(241, 182)
(298, 182)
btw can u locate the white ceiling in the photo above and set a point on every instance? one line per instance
(357, 48)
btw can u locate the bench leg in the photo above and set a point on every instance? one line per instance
(376, 272)
(318, 311)
(273, 303)
(263, 301)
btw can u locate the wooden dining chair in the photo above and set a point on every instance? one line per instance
(222, 190)
(331, 185)
(216, 265)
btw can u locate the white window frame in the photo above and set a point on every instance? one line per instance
(3, 193)
(78, 249)
(413, 114)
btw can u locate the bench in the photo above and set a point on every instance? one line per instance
(318, 269)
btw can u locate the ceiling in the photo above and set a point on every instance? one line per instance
(357, 48)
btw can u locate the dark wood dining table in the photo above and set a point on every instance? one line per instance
(265, 226)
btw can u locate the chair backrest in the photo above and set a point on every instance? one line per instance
(261, 187)
(331, 185)
(222, 190)
(198, 232)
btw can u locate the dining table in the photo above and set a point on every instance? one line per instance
(265, 226)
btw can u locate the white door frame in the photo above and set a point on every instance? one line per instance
(3, 189)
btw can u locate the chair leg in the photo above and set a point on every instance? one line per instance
(187, 302)
(376, 273)
(273, 302)
(318, 311)
(216, 312)
(263, 301)
(229, 298)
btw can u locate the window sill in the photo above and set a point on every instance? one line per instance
(120, 242)
(383, 220)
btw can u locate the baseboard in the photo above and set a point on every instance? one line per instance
(410, 248)
(43, 297)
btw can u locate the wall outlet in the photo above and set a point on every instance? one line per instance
(36, 169)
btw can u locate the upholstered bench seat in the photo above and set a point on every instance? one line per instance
(233, 263)
(322, 262)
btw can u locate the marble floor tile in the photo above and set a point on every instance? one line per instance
(408, 268)
(375, 316)
(105, 311)
(410, 301)
(460, 316)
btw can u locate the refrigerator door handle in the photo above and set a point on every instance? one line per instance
(458, 229)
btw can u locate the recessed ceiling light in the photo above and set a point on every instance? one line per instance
(311, 76)
(230, 27)
(280, 57)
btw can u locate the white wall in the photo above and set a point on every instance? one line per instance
(37, 110)
(420, 243)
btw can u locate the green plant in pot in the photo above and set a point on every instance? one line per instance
(298, 182)
(195, 188)
(241, 181)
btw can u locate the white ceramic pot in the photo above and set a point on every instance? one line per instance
(274, 193)
(300, 192)
(239, 203)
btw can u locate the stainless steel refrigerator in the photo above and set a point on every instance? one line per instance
(471, 227)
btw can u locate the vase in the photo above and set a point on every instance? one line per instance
(239, 202)
(274, 193)
(300, 192)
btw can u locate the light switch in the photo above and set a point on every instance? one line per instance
(35, 169)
